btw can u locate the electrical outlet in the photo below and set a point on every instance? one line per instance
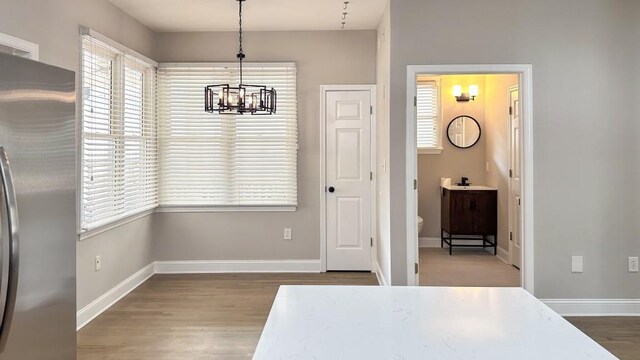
(577, 264)
(633, 264)
(98, 262)
(287, 233)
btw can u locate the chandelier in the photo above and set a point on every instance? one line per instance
(241, 99)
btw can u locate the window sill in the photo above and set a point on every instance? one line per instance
(199, 209)
(434, 151)
(104, 228)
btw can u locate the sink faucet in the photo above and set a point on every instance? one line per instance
(464, 182)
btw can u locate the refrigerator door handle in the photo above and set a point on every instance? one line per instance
(9, 253)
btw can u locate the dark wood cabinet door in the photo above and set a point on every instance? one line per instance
(462, 221)
(484, 212)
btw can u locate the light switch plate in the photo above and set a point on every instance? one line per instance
(287, 233)
(577, 264)
(633, 264)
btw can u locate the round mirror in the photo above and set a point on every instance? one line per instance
(463, 132)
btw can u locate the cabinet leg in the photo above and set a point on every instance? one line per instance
(495, 244)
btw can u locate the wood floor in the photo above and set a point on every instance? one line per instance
(620, 335)
(212, 316)
(466, 267)
(221, 316)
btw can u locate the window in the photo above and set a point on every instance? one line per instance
(119, 140)
(212, 160)
(428, 117)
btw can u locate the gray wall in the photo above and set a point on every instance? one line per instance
(586, 157)
(54, 25)
(453, 162)
(322, 58)
(383, 244)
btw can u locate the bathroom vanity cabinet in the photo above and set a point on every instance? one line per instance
(469, 217)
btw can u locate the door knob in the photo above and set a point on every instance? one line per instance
(331, 189)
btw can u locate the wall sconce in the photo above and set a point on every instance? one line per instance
(465, 97)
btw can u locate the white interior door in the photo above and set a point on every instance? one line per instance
(515, 200)
(348, 177)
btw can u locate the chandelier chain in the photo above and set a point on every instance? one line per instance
(240, 53)
(243, 98)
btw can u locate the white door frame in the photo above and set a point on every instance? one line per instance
(323, 159)
(525, 72)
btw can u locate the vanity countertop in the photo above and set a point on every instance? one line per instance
(470, 187)
(418, 322)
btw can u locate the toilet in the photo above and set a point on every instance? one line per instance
(420, 224)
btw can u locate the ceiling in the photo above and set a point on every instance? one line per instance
(258, 15)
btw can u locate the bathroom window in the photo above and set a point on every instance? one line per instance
(428, 116)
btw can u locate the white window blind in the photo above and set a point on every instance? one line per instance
(427, 110)
(119, 140)
(226, 160)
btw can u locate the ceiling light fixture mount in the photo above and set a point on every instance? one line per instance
(243, 98)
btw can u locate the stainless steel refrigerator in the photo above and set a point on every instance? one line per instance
(37, 211)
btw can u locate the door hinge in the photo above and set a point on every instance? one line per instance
(510, 110)
(415, 265)
(510, 173)
(519, 202)
(371, 175)
(510, 235)
(415, 184)
(371, 242)
(371, 110)
(415, 101)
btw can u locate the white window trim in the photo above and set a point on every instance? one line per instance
(81, 233)
(123, 49)
(438, 149)
(206, 209)
(112, 225)
(32, 49)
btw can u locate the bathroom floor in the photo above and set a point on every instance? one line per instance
(466, 267)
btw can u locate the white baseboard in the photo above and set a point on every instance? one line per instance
(503, 255)
(237, 266)
(99, 305)
(594, 307)
(434, 242)
(104, 302)
(429, 242)
(382, 281)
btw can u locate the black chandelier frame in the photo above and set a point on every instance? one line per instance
(243, 98)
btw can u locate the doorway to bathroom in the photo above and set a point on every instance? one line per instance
(468, 163)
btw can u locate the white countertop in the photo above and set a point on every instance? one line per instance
(371, 322)
(470, 187)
